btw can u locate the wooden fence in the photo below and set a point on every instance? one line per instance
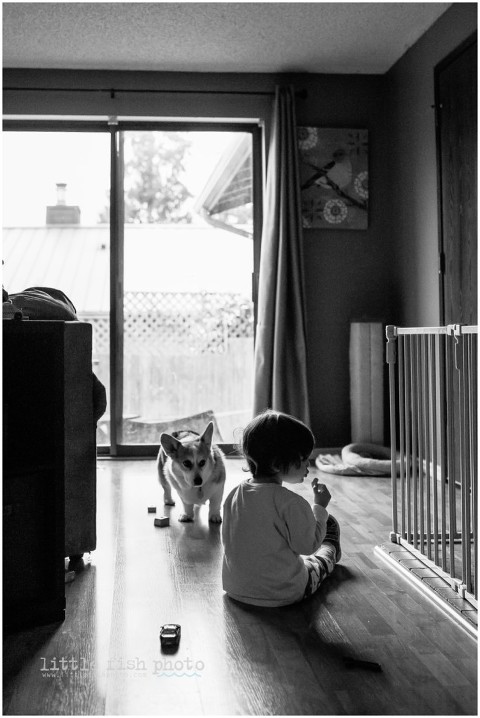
(184, 354)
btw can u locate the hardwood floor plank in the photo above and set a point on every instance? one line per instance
(234, 659)
(82, 640)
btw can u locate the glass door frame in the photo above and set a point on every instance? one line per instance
(115, 127)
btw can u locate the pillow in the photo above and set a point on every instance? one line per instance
(44, 303)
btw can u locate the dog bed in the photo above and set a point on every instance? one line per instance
(358, 460)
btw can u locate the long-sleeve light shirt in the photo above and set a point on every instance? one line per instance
(266, 530)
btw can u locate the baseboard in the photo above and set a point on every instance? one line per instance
(466, 619)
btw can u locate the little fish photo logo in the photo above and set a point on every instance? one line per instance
(186, 668)
(161, 667)
(57, 666)
(136, 667)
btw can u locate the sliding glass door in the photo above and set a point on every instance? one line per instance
(150, 230)
(188, 264)
(56, 231)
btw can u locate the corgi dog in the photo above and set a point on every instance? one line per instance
(195, 468)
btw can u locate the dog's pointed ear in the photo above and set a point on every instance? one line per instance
(207, 435)
(169, 444)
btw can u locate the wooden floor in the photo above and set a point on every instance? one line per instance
(235, 660)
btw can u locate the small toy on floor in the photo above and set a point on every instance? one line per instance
(162, 521)
(170, 636)
(152, 509)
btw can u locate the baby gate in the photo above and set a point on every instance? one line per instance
(433, 418)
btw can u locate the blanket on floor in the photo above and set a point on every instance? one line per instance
(358, 460)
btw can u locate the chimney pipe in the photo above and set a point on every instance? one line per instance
(61, 193)
(62, 213)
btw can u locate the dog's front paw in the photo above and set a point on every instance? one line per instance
(185, 518)
(215, 519)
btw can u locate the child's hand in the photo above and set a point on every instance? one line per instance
(321, 495)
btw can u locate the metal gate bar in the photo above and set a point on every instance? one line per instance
(433, 420)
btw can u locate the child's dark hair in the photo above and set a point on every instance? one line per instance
(274, 441)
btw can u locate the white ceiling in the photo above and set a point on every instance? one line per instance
(214, 37)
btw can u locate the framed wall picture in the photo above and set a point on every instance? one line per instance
(333, 177)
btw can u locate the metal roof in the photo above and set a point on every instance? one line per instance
(76, 259)
(72, 258)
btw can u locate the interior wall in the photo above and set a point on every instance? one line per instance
(413, 168)
(346, 271)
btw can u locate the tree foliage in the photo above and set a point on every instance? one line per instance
(153, 178)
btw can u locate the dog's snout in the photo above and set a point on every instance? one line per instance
(198, 481)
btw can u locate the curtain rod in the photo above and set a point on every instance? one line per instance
(301, 94)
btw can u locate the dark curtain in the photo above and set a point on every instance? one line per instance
(280, 347)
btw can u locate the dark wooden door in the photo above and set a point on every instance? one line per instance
(456, 103)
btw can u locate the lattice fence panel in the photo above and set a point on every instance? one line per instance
(177, 323)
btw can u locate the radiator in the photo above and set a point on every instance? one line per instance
(366, 382)
(433, 424)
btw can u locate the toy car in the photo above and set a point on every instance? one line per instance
(170, 635)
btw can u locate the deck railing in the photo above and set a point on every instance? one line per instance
(433, 419)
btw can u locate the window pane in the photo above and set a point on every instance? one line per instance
(188, 313)
(55, 230)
